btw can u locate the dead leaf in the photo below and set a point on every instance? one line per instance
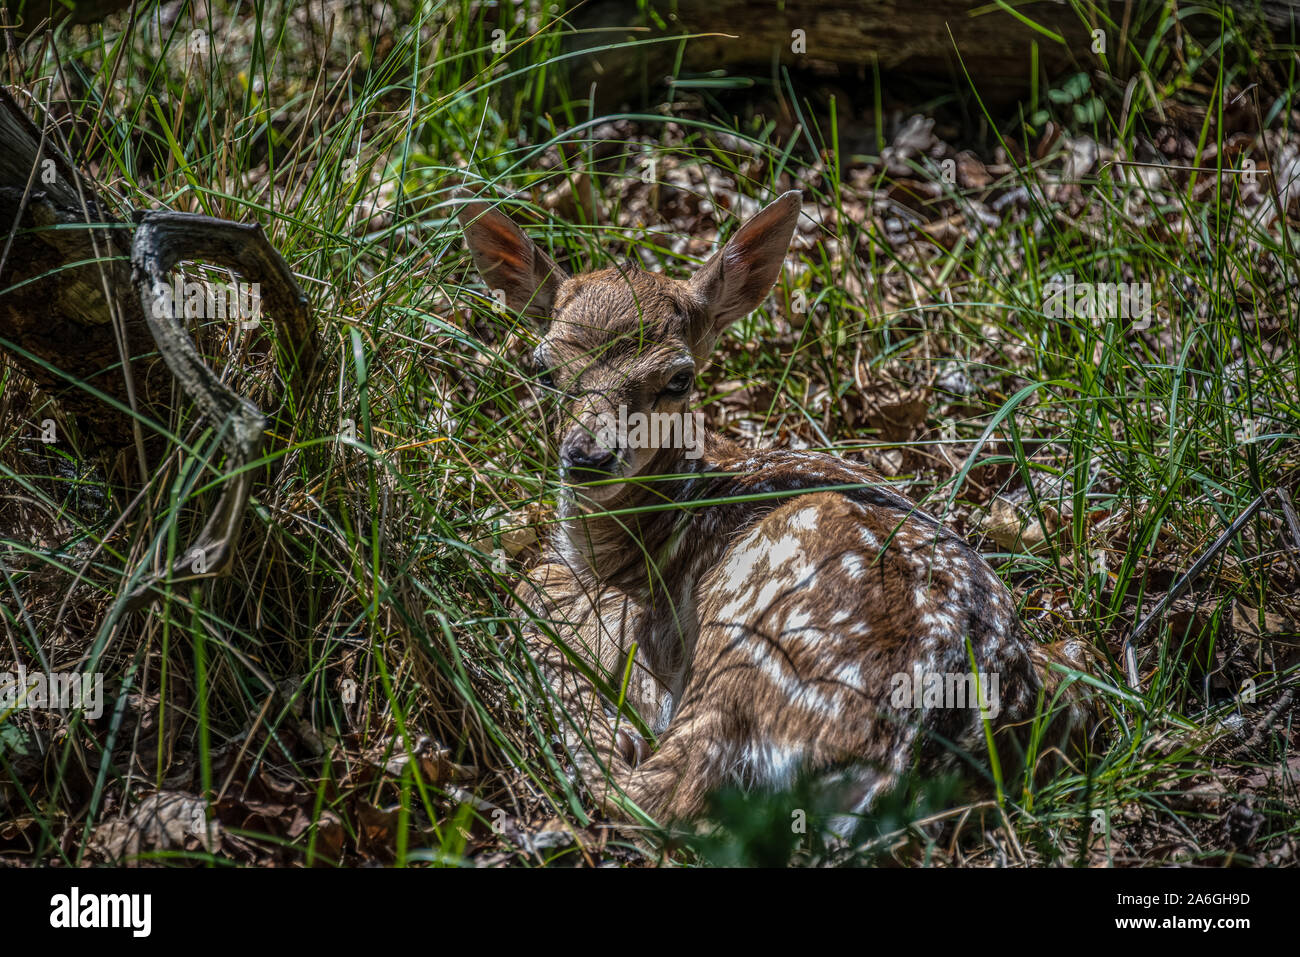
(1012, 528)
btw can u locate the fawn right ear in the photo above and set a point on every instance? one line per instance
(742, 273)
(507, 259)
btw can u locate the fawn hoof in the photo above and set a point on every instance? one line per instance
(631, 747)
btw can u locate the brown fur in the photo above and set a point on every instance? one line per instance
(767, 632)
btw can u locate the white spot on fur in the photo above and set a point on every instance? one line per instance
(784, 550)
(805, 520)
(769, 592)
(850, 675)
(940, 621)
(744, 559)
(770, 765)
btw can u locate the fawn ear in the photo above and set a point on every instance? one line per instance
(741, 273)
(507, 259)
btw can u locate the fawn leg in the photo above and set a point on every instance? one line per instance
(592, 625)
(580, 713)
(670, 784)
(673, 783)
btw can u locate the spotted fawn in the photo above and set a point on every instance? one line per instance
(785, 612)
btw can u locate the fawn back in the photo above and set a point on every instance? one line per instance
(785, 612)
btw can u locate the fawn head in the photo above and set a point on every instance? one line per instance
(623, 345)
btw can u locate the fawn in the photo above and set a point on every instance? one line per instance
(783, 610)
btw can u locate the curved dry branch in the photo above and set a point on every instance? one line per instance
(162, 240)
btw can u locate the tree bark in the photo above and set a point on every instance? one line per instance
(71, 309)
(64, 275)
(910, 38)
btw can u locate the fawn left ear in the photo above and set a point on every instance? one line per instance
(742, 273)
(507, 259)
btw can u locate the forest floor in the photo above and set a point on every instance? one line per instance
(356, 691)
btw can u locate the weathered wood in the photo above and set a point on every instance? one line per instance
(162, 241)
(65, 274)
(62, 257)
(849, 38)
(74, 309)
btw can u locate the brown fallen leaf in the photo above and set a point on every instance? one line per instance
(164, 820)
(515, 531)
(1011, 528)
(434, 760)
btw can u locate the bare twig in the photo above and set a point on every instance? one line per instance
(1198, 566)
(1265, 725)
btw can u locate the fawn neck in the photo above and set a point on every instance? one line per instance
(650, 536)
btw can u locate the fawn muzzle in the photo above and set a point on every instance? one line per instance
(589, 463)
(589, 452)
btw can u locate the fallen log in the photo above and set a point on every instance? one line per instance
(932, 40)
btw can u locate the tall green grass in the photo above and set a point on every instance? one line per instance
(367, 552)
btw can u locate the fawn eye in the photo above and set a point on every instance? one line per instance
(681, 383)
(546, 380)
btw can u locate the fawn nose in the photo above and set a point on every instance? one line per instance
(583, 454)
(597, 460)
